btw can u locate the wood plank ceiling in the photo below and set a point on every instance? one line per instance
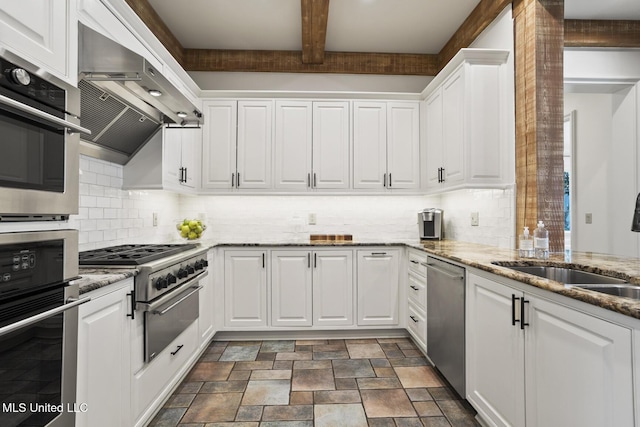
(315, 59)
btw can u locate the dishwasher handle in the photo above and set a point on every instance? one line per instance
(451, 275)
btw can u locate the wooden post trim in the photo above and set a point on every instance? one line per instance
(601, 33)
(315, 14)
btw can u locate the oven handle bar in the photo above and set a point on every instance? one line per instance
(166, 298)
(73, 302)
(72, 127)
(168, 309)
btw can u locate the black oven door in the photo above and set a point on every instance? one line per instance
(38, 360)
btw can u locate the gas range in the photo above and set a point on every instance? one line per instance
(161, 268)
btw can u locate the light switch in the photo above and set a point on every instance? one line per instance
(475, 218)
(155, 219)
(588, 218)
(312, 219)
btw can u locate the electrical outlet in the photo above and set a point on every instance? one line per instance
(475, 219)
(312, 219)
(155, 219)
(588, 218)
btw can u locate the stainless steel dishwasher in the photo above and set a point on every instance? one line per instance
(445, 320)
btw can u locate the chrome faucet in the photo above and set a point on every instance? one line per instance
(635, 224)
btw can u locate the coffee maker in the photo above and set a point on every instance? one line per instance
(430, 224)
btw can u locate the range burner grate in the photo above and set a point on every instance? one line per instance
(131, 254)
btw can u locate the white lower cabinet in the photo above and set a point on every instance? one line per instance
(377, 272)
(104, 358)
(534, 362)
(206, 324)
(311, 288)
(245, 288)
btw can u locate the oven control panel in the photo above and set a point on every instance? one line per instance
(176, 275)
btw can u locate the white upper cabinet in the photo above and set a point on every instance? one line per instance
(386, 145)
(331, 158)
(43, 32)
(219, 144)
(468, 141)
(255, 119)
(294, 131)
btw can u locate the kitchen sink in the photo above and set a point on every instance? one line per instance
(622, 290)
(568, 276)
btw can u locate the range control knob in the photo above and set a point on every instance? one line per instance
(171, 279)
(20, 76)
(182, 273)
(190, 269)
(198, 265)
(205, 263)
(161, 283)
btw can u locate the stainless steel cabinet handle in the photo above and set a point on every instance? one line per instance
(233, 180)
(522, 322)
(378, 253)
(414, 261)
(315, 260)
(513, 310)
(71, 127)
(166, 310)
(238, 181)
(185, 175)
(132, 295)
(315, 182)
(173, 353)
(308, 259)
(384, 180)
(414, 319)
(263, 261)
(308, 180)
(415, 288)
(390, 180)
(71, 303)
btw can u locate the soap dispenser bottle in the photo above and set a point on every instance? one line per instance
(526, 244)
(541, 241)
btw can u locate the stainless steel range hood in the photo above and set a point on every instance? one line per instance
(116, 104)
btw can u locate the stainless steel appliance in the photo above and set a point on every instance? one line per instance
(430, 224)
(38, 328)
(166, 286)
(445, 321)
(125, 100)
(39, 128)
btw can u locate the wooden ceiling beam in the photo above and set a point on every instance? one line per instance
(478, 20)
(601, 33)
(291, 62)
(315, 14)
(152, 20)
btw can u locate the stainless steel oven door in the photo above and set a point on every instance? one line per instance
(168, 317)
(40, 151)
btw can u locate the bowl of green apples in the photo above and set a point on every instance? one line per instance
(191, 229)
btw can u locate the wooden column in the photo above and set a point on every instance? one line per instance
(539, 41)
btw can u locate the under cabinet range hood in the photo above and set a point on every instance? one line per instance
(124, 99)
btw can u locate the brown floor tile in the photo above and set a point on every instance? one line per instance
(408, 422)
(239, 375)
(360, 368)
(233, 424)
(249, 413)
(394, 354)
(361, 341)
(283, 364)
(380, 363)
(191, 425)
(210, 371)
(312, 364)
(418, 376)
(427, 409)
(301, 398)
(210, 357)
(365, 351)
(412, 353)
(189, 387)
(241, 352)
(243, 343)
(378, 383)
(389, 346)
(166, 417)
(266, 356)
(311, 342)
(271, 374)
(387, 403)
(288, 413)
(208, 408)
(337, 342)
(394, 340)
(312, 379)
(329, 347)
(385, 372)
(297, 355)
(224, 387)
(346, 384)
(339, 415)
(435, 422)
(181, 400)
(278, 346)
(443, 393)
(304, 348)
(381, 422)
(267, 392)
(458, 412)
(409, 361)
(336, 396)
(326, 355)
(408, 345)
(250, 366)
(418, 394)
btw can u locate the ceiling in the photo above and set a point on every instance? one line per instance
(385, 26)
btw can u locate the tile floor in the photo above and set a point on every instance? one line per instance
(314, 383)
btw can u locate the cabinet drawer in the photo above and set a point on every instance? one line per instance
(417, 325)
(416, 263)
(417, 290)
(158, 376)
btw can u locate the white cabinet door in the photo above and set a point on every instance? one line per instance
(172, 157)
(206, 299)
(255, 120)
(293, 145)
(333, 288)
(190, 155)
(578, 369)
(245, 288)
(43, 32)
(219, 144)
(378, 287)
(331, 158)
(403, 145)
(291, 289)
(370, 145)
(453, 128)
(494, 352)
(104, 352)
(434, 138)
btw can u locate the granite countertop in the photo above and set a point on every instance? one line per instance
(482, 256)
(95, 278)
